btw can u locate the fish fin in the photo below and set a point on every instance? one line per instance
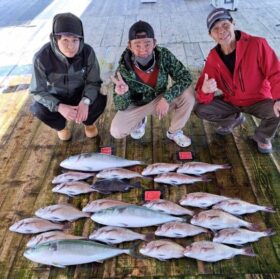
(66, 226)
(99, 261)
(149, 236)
(269, 209)
(58, 265)
(248, 252)
(104, 192)
(133, 251)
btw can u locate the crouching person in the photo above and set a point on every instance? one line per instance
(66, 80)
(141, 87)
(247, 71)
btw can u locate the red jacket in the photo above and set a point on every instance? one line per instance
(256, 73)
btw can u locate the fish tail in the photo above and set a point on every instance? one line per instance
(149, 236)
(248, 252)
(204, 178)
(66, 226)
(133, 251)
(269, 232)
(137, 184)
(253, 227)
(226, 166)
(269, 209)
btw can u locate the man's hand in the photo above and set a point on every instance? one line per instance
(162, 108)
(68, 112)
(209, 85)
(82, 112)
(276, 108)
(120, 86)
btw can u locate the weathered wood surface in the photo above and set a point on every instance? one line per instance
(31, 153)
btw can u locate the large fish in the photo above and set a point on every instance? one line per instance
(118, 173)
(100, 204)
(116, 235)
(49, 236)
(178, 178)
(239, 207)
(212, 252)
(167, 207)
(108, 186)
(96, 162)
(201, 199)
(239, 236)
(216, 220)
(198, 168)
(62, 253)
(60, 212)
(162, 250)
(73, 188)
(159, 168)
(71, 176)
(178, 230)
(132, 216)
(34, 225)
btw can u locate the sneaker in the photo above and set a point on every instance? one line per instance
(223, 131)
(64, 134)
(179, 138)
(139, 132)
(91, 131)
(264, 148)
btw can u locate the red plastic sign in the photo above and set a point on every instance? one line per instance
(152, 195)
(106, 150)
(185, 155)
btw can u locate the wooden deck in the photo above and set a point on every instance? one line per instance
(31, 153)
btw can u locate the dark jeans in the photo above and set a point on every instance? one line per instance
(225, 115)
(56, 121)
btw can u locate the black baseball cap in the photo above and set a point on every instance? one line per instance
(67, 24)
(216, 15)
(141, 27)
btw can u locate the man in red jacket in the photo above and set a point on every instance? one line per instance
(247, 72)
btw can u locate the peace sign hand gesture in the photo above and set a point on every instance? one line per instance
(120, 86)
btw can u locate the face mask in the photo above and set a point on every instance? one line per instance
(144, 60)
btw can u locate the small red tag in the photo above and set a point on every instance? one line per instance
(185, 155)
(106, 150)
(152, 195)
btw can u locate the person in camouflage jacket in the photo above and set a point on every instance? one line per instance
(141, 87)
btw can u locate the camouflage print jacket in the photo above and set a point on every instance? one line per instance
(139, 93)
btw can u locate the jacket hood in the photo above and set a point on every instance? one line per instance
(66, 23)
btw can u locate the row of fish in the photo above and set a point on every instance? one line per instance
(66, 252)
(98, 162)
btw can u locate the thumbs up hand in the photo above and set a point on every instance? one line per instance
(209, 85)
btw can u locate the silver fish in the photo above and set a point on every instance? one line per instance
(178, 179)
(201, 199)
(96, 162)
(162, 250)
(178, 230)
(34, 225)
(168, 207)
(212, 252)
(198, 168)
(159, 168)
(238, 236)
(118, 173)
(216, 220)
(60, 212)
(132, 216)
(100, 204)
(73, 188)
(108, 186)
(71, 176)
(62, 253)
(115, 235)
(49, 236)
(239, 207)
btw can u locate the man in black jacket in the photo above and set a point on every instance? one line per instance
(66, 79)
